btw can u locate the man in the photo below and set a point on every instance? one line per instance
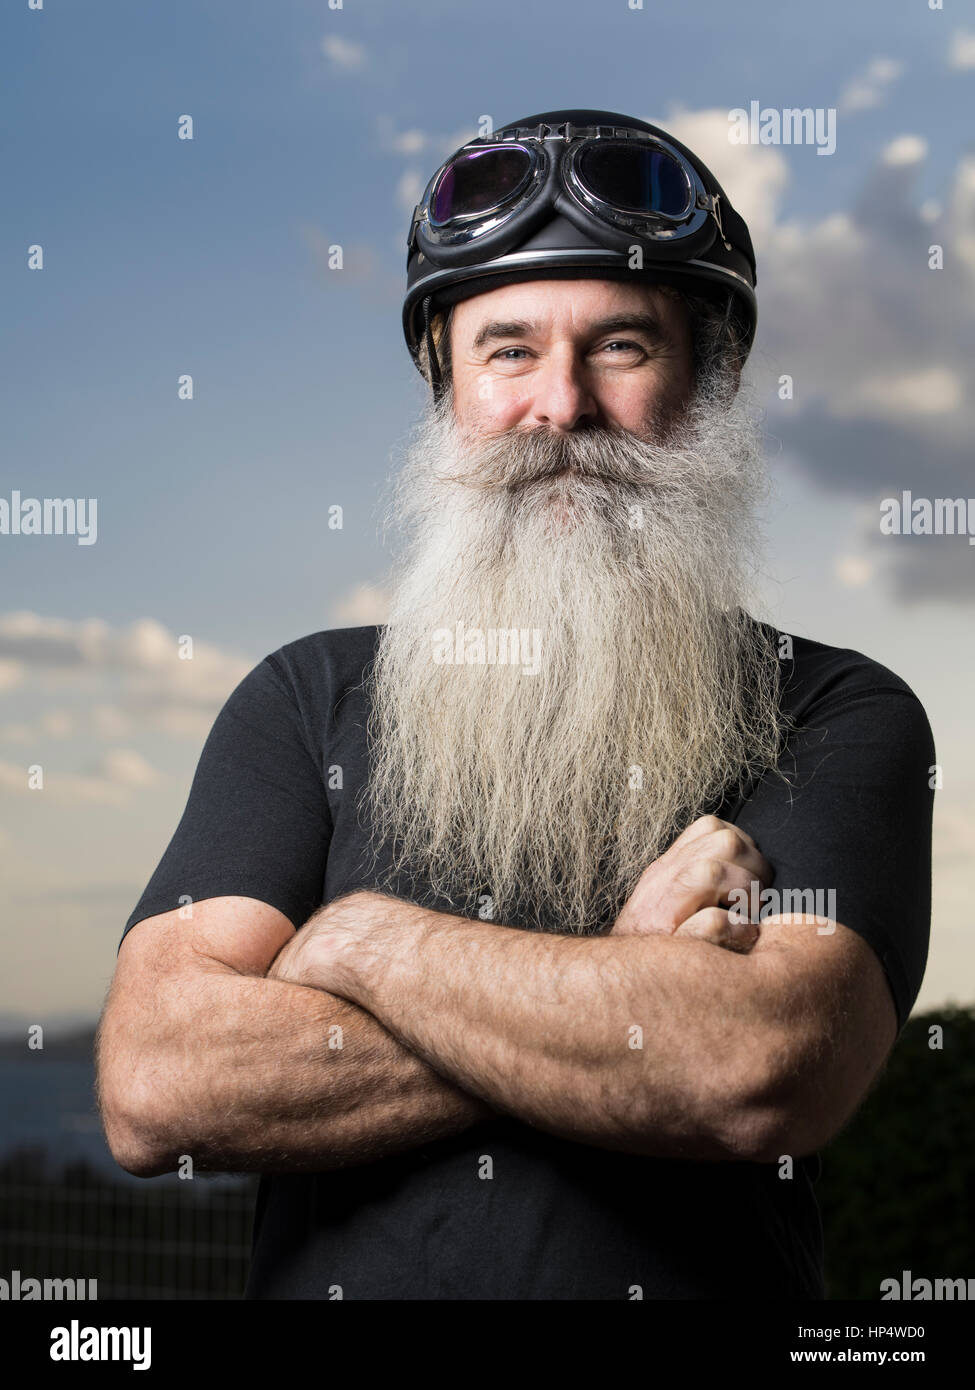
(531, 944)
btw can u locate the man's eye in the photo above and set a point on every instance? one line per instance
(502, 355)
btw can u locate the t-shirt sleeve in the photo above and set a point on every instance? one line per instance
(856, 819)
(256, 823)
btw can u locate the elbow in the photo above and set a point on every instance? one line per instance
(763, 1119)
(790, 1109)
(131, 1124)
(130, 1146)
(725, 1124)
(752, 1110)
(134, 1084)
(792, 1134)
(136, 1158)
(794, 1128)
(764, 1136)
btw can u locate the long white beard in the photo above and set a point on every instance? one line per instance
(655, 692)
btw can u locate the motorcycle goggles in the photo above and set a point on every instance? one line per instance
(627, 183)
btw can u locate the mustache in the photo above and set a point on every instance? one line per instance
(515, 459)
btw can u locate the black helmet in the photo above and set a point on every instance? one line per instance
(572, 194)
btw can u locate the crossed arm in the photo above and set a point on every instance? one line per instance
(648, 1043)
(379, 1026)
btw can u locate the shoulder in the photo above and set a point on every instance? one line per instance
(331, 661)
(297, 695)
(818, 677)
(307, 676)
(311, 683)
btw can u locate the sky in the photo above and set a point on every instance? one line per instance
(318, 124)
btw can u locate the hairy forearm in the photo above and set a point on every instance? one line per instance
(245, 1073)
(645, 1043)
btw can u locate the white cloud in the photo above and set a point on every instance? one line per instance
(906, 149)
(128, 768)
(953, 833)
(962, 216)
(108, 721)
(409, 190)
(409, 142)
(853, 571)
(367, 603)
(949, 973)
(852, 311)
(104, 721)
(869, 88)
(159, 688)
(928, 391)
(437, 145)
(37, 641)
(961, 52)
(109, 782)
(17, 733)
(344, 53)
(873, 335)
(11, 674)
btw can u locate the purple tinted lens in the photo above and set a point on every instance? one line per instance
(635, 178)
(480, 180)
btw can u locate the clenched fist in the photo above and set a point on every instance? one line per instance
(682, 892)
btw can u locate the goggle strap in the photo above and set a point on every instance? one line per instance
(436, 376)
(566, 131)
(712, 201)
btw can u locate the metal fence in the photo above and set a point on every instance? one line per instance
(154, 1238)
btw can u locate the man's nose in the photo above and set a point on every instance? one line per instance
(562, 395)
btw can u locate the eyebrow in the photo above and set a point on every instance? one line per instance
(645, 323)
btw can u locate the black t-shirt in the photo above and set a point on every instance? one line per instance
(272, 814)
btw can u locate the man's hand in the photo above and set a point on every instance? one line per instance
(681, 893)
(299, 957)
(320, 954)
(290, 962)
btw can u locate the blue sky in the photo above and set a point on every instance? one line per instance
(316, 125)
